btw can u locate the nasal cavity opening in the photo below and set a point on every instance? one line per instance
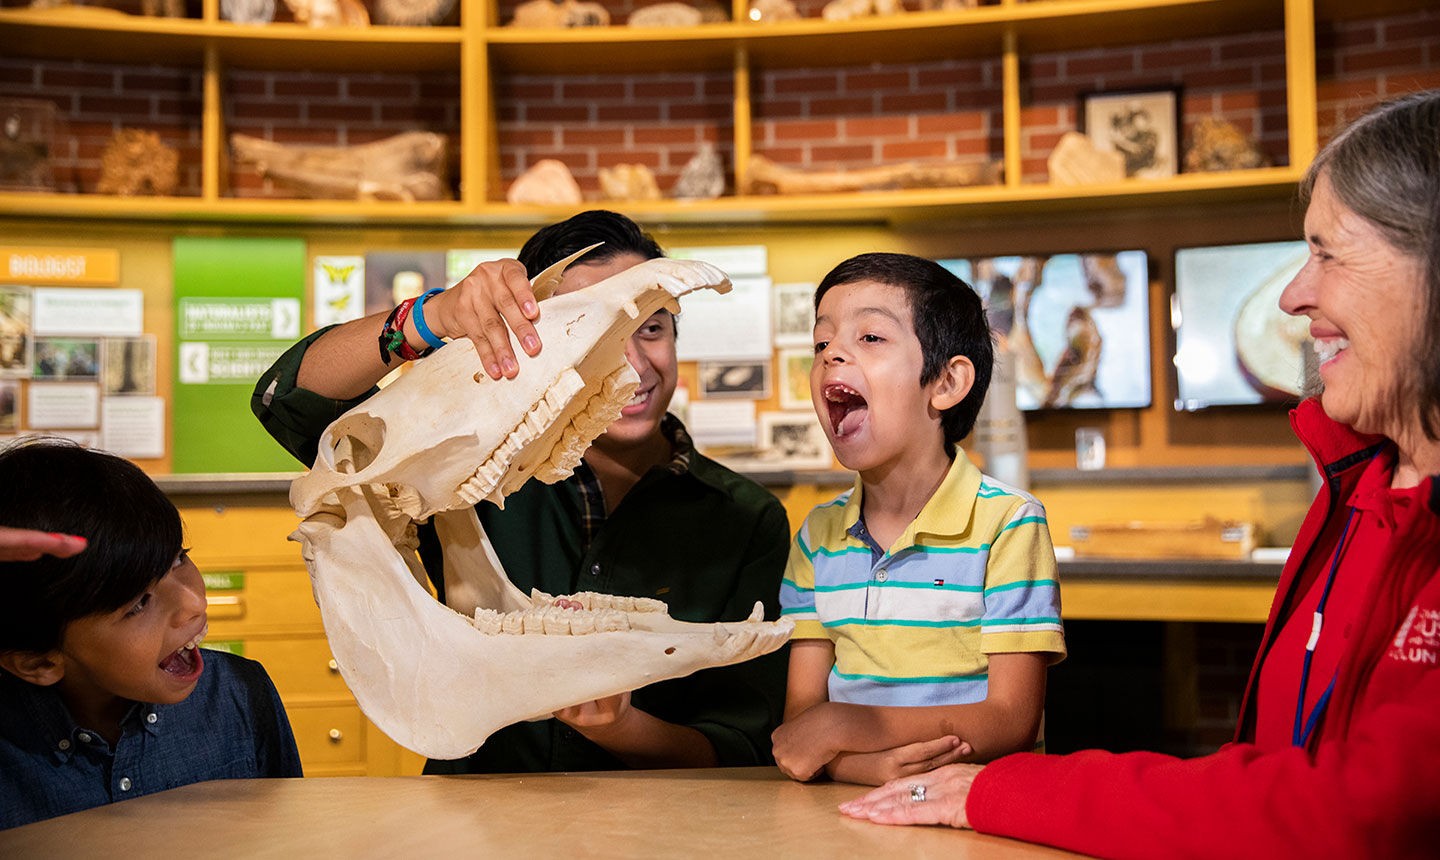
(355, 442)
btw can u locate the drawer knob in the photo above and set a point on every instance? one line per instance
(334, 667)
(336, 736)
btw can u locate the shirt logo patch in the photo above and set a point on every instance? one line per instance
(1418, 639)
(938, 582)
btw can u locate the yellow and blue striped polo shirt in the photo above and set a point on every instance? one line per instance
(973, 575)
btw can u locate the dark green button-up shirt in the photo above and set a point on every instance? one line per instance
(705, 540)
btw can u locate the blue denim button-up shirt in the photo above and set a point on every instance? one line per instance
(231, 727)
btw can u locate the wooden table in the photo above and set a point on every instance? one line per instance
(751, 813)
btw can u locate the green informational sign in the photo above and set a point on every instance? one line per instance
(237, 308)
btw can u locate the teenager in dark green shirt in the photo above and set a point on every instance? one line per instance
(645, 515)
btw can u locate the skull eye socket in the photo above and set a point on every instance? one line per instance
(355, 442)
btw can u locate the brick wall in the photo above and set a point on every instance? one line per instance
(1361, 62)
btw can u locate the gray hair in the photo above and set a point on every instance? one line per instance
(1385, 167)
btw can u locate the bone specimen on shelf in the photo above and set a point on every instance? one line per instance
(138, 162)
(772, 11)
(329, 13)
(629, 182)
(713, 12)
(1076, 161)
(407, 167)
(1216, 144)
(767, 177)
(947, 5)
(412, 13)
(162, 8)
(568, 13)
(547, 183)
(665, 15)
(254, 12)
(702, 177)
(440, 679)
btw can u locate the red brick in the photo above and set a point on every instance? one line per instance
(1422, 29)
(1104, 64)
(914, 102)
(1201, 78)
(332, 112)
(24, 75)
(885, 126)
(1351, 34)
(610, 158)
(1326, 91)
(247, 85)
(590, 90)
(712, 111)
(1042, 69)
(1272, 74)
(382, 88)
(1063, 92)
(328, 88)
(1170, 58)
(799, 84)
(907, 149)
(784, 155)
(508, 89)
(82, 78)
(816, 129)
(628, 113)
(665, 134)
(319, 135)
(711, 134)
(841, 153)
(972, 147)
(178, 107)
(1244, 122)
(592, 136)
(557, 113)
(132, 81)
(1386, 58)
(1239, 100)
(1047, 116)
(966, 75)
(719, 88)
(687, 89)
(889, 80)
(1409, 82)
(115, 105)
(950, 123)
(841, 106)
(447, 88)
(1042, 141)
(527, 136)
(1269, 45)
(410, 113)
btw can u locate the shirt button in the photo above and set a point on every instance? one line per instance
(124, 783)
(84, 738)
(64, 744)
(595, 569)
(151, 718)
(881, 575)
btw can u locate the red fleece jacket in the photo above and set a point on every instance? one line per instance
(1367, 786)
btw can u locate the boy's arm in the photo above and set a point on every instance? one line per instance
(1007, 721)
(807, 684)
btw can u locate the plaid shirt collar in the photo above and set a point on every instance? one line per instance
(592, 497)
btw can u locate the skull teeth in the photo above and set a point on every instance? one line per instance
(550, 621)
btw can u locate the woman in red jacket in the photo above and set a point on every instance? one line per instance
(1338, 749)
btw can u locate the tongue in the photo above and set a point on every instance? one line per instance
(852, 421)
(182, 662)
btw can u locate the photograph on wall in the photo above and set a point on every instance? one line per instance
(1076, 325)
(748, 379)
(16, 341)
(338, 286)
(66, 359)
(793, 440)
(391, 277)
(62, 406)
(460, 262)
(127, 365)
(9, 406)
(794, 314)
(1233, 344)
(794, 381)
(1143, 126)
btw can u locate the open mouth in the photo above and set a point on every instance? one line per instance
(1327, 349)
(638, 403)
(186, 661)
(847, 407)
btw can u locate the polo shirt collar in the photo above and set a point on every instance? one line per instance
(45, 723)
(946, 514)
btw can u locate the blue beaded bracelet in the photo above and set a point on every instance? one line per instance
(418, 315)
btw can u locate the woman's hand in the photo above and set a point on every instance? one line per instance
(489, 303)
(898, 801)
(28, 545)
(880, 767)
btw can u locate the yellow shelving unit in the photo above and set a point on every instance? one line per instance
(478, 51)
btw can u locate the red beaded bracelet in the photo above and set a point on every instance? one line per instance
(392, 336)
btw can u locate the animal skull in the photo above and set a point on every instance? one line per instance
(438, 440)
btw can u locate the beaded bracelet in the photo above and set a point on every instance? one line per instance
(392, 336)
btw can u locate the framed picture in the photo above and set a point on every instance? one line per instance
(747, 379)
(795, 378)
(9, 406)
(16, 342)
(794, 314)
(67, 359)
(1142, 125)
(793, 440)
(128, 365)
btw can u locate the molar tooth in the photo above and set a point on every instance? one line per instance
(540, 598)
(511, 622)
(649, 604)
(487, 620)
(533, 621)
(611, 621)
(557, 621)
(582, 622)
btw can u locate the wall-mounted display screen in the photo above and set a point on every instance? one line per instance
(1233, 344)
(1076, 324)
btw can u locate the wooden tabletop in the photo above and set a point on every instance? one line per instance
(750, 813)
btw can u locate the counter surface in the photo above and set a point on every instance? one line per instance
(746, 813)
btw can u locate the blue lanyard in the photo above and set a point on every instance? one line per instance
(1305, 726)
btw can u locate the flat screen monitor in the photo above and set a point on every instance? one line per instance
(1233, 344)
(1077, 325)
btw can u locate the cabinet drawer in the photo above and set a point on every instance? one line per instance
(328, 734)
(241, 533)
(298, 666)
(265, 600)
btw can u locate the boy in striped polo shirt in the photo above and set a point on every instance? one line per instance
(925, 599)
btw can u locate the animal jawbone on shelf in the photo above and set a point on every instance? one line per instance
(438, 681)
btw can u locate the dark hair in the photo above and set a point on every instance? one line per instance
(949, 321)
(133, 530)
(558, 241)
(1385, 167)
